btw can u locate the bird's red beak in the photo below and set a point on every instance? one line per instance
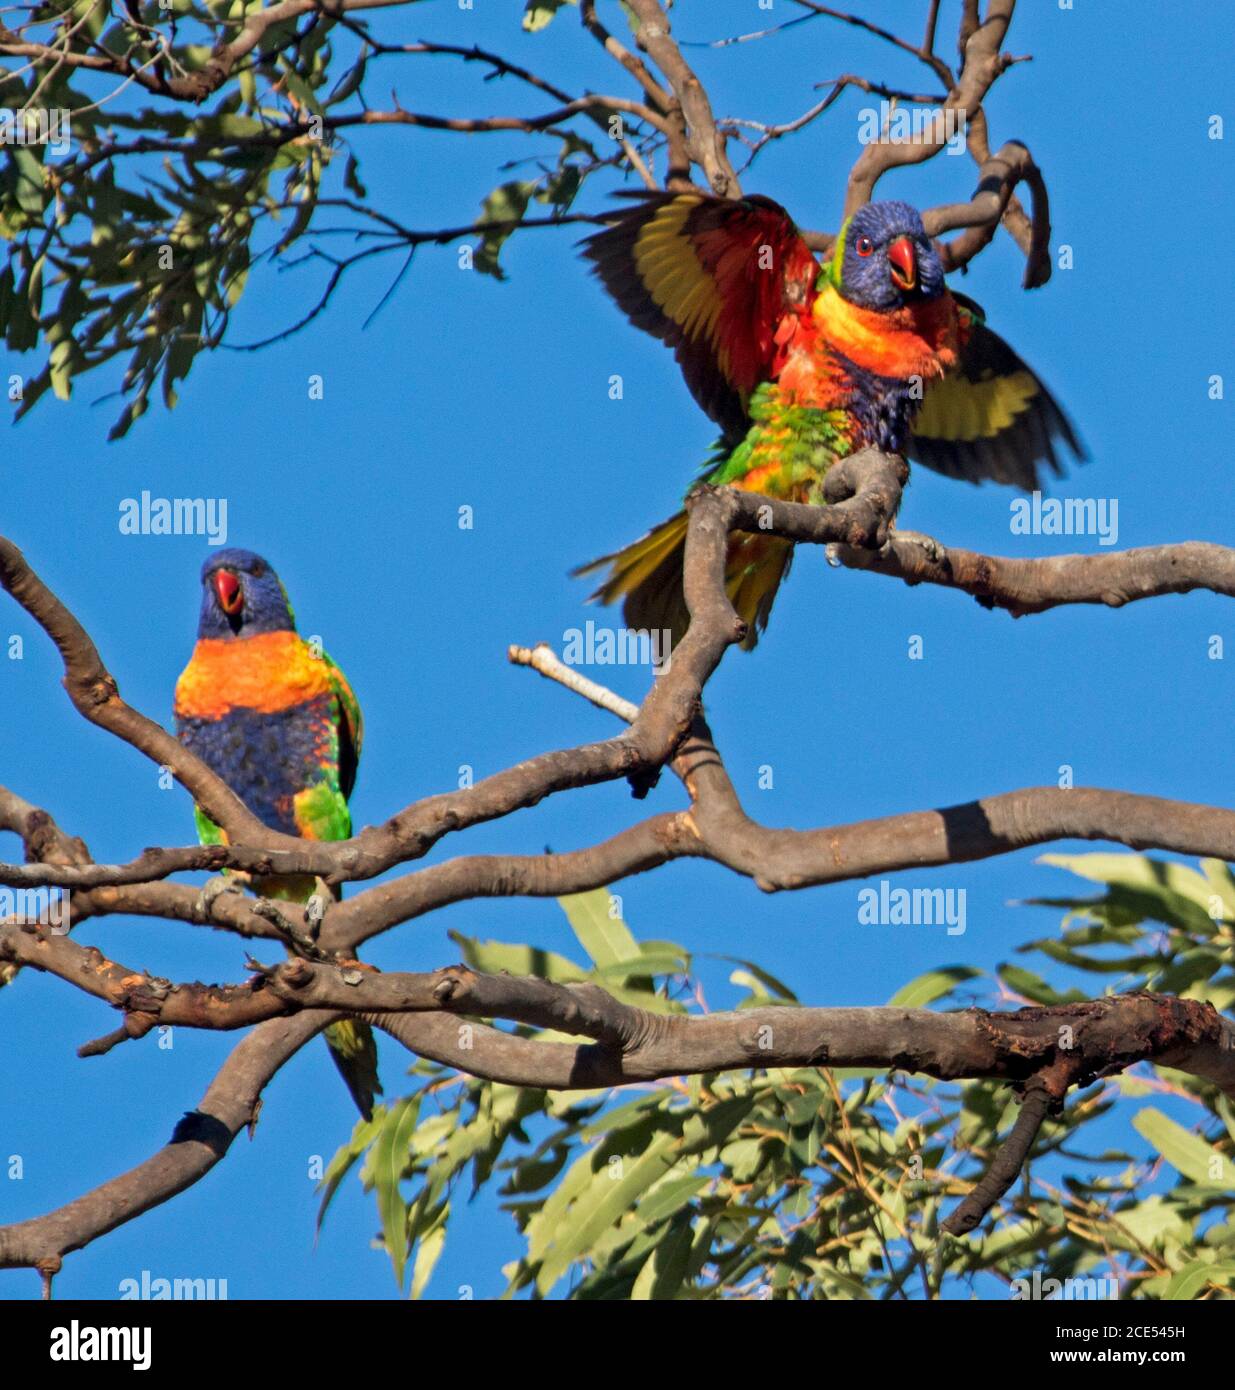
(228, 591)
(903, 259)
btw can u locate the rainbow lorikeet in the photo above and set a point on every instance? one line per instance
(275, 718)
(802, 364)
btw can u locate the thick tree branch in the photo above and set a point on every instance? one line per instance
(1035, 585)
(1106, 1034)
(639, 1044)
(200, 1140)
(42, 839)
(716, 829)
(632, 1044)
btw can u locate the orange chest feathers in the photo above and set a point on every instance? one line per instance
(269, 672)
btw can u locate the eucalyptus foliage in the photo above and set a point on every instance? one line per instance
(811, 1183)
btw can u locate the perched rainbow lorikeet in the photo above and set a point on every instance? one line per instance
(278, 722)
(802, 364)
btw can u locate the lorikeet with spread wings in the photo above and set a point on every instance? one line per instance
(802, 364)
(277, 721)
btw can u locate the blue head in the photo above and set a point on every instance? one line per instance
(886, 260)
(242, 596)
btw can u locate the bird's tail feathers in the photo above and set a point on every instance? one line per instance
(354, 1051)
(647, 575)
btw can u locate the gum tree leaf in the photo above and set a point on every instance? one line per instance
(1187, 1152)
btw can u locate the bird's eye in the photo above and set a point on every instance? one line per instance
(864, 246)
(258, 570)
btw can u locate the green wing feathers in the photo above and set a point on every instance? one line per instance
(350, 730)
(351, 1041)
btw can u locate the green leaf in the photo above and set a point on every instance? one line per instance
(1222, 881)
(1189, 968)
(128, 416)
(539, 13)
(710, 1128)
(351, 80)
(670, 1197)
(1187, 1152)
(1226, 1113)
(1169, 892)
(60, 367)
(505, 206)
(560, 187)
(345, 1159)
(772, 987)
(604, 1201)
(428, 1251)
(931, 986)
(847, 1287)
(30, 186)
(1034, 987)
(1154, 1221)
(1194, 1278)
(300, 89)
(386, 1164)
(601, 931)
(496, 956)
(643, 966)
(662, 1274)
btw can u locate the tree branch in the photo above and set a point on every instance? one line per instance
(998, 176)
(704, 143)
(983, 63)
(1107, 1034)
(199, 1141)
(1025, 586)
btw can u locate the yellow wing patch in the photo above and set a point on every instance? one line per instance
(956, 408)
(674, 276)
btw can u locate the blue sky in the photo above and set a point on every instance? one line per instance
(465, 392)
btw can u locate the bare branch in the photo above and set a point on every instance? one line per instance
(983, 64)
(1034, 585)
(543, 659)
(1009, 1161)
(42, 839)
(200, 1140)
(1108, 1034)
(998, 176)
(618, 51)
(703, 142)
(924, 51)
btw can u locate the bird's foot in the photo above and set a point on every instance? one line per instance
(935, 552)
(213, 889)
(294, 937)
(315, 908)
